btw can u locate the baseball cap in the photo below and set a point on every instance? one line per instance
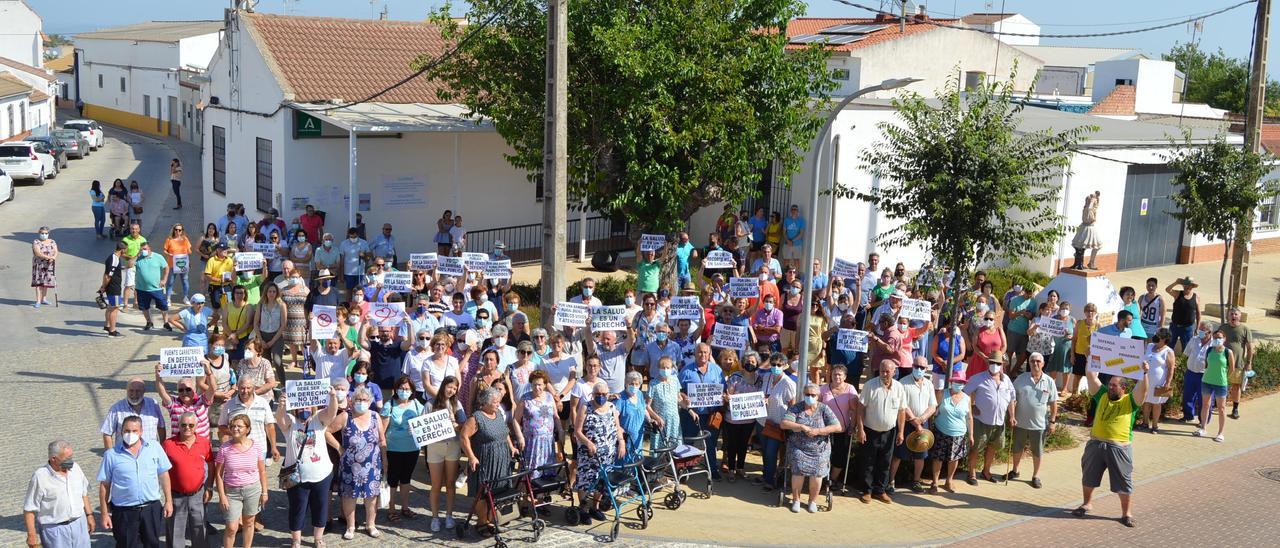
(197, 298)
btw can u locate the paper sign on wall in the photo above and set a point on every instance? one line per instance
(744, 288)
(386, 314)
(431, 428)
(705, 394)
(397, 281)
(724, 335)
(422, 261)
(916, 309)
(718, 259)
(183, 361)
(851, 340)
(652, 242)
(684, 308)
(249, 261)
(571, 314)
(1115, 355)
(324, 322)
(306, 393)
(608, 318)
(746, 406)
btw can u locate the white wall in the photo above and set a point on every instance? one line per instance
(934, 56)
(10, 126)
(147, 68)
(851, 64)
(1017, 24)
(197, 51)
(20, 33)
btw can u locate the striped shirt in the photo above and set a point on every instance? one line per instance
(198, 406)
(239, 466)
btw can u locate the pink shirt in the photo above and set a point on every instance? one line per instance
(239, 467)
(839, 401)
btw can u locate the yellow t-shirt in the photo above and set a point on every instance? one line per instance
(1083, 335)
(1114, 420)
(217, 269)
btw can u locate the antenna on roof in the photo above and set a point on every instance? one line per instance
(291, 7)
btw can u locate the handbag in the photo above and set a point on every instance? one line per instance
(715, 419)
(772, 431)
(291, 476)
(1163, 392)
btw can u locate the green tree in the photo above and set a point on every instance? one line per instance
(964, 183)
(673, 104)
(1219, 80)
(1219, 186)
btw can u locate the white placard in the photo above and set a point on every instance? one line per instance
(306, 393)
(404, 192)
(1053, 326)
(718, 259)
(182, 361)
(652, 242)
(851, 340)
(268, 250)
(181, 263)
(248, 261)
(431, 428)
(475, 261)
(608, 318)
(705, 394)
(449, 266)
(724, 335)
(746, 406)
(684, 308)
(844, 269)
(916, 309)
(571, 314)
(1115, 355)
(498, 270)
(397, 281)
(324, 322)
(386, 314)
(744, 288)
(422, 261)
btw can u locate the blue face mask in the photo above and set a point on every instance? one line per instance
(361, 407)
(586, 292)
(218, 350)
(359, 378)
(917, 373)
(404, 394)
(304, 415)
(631, 301)
(810, 400)
(957, 388)
(776, 370)
(665, 373)
(662, 337)
(631, 390)
(483, 323)
(601, 399)
(326, 283)
(768, 306)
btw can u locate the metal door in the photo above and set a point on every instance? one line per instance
(1149, 234)
(175, 120)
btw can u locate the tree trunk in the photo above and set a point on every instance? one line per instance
(1222, 276)
(957, 277)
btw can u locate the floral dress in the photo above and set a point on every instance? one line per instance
(602, 430)
(539, 431)
(666, 403)
(295, 327)
(810, 456)
(362, 462)
(42, 274)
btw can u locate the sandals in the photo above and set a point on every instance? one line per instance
(393, 516)
(1127, 521)
(1219, 438)
(350, 534)
(407, 513)
(1080, 512)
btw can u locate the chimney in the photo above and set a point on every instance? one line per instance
(922, 13)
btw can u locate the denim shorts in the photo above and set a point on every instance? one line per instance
(1211, 390)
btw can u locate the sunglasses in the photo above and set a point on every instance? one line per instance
(524, 352)
(185, 390)
(187, 425)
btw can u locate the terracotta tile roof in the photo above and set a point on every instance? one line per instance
(319, 59)
(11, 85)
(1120, 102)
(60, 64)
(814, 25)
(27, 69)
(1271, 138)
(38, 96)
(985, 18)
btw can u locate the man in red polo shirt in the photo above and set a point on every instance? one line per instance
(192, 486)
(312, 223)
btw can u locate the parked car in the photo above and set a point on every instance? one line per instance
(72, 141)
(6, 187)
(54, 147)
(91, 131)
(27, 160)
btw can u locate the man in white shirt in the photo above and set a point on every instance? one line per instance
(922, 403)
(879, 419)
(587, 296)
(261, 418)
(135, 403)
(331, 359)
(56, 509)
(355, 252)
(458, 315)
(992, 400)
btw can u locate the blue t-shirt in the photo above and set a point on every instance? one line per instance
(683, 251)
(196, 326)
(793, 229)
(1018, 305)
(1136, 327)
(690, 375)
(398, 437)
(758, 226)
(952, 418)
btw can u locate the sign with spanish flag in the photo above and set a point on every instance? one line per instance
(1116, 355)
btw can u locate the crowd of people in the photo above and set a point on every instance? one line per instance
(528, 395)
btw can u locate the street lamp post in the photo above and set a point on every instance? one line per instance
(802, 333)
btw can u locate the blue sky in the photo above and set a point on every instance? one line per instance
(1230, 31)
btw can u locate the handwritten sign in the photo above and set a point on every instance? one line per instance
(498, 270)
(249, 260)
(449, 266)
(386, 314)
(183, 361)
(431, 428)
(705, 394)
(744, 288)
(1115, 355)
(571, 314)
(324, 322)
(729, 336)
(684, 308)
(181, 263)
(608, 318)
(844, 269)
(1053, 326)
(475, 261)
(306, 393)
(916, 309)
(746, 406)
(397, 281)
(652, 242)
(422, 261)
(267, 250)
(851, 340)
(719, 259)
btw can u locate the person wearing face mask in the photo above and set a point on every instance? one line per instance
(305, 430)
(151, 271)
(922, 403)
(360, 378)
(648, 271)
(257, 368)
(779, 393)
(327, 256)
(1196, 349)
(633, 412)
(364, 445)
(840, 396)
(192, 457)
(240, 473)
(1036, 398)
(402, 452)
(1058, 364)
(612, 356)
(258, 408)
(792, 306)
(387, 350)
(1219, 364)
(587, 294)
(134, 489)
(1110, 446)
(193, 322)
(1081, 340)
(987, 345)
(301, 252)
(644, 330)
(810, 424)
(237, 322)
(355, 255)
(222, 375)
(737, 432)
(484, 321)
(993, 396)
(767, 323)
(56, 509)
(1162, 361)
(194, 395)
(885, 342)
(667, 400)
(878, 422)
(44, 256)
(600, 443)
(953, 427)
(324, 294)
(135, 403)
(703, 370)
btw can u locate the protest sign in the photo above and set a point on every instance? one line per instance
(608, 318)
(386, 314)
(718, 259)
(571, 314)
(729, 336)
(324, 322)
(183, 361)
(475, 261)
(249, 261)
(268, 250)
(916, 309)
(397, 281)
(1053, 326)
(422, 261)
(851, 340)
(705, 394)
(746, 406)
(498, 270)
(844, 269)
(684, 308)
(431, 428)
(652, 242)
(181, 263)
(306, 393)
(449, 266)
(1115, 355)
(748, 288)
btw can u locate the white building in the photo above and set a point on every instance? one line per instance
(1131, 88)
(1069, 70)
(131, 76)
(36, 116)
(279, 133)
(20, 33)
(1010, 28)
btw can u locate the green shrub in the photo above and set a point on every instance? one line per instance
(1004, 278)
(609, 289)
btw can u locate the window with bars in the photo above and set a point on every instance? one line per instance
(220, 160)
(263, 174)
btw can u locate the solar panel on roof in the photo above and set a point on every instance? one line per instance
(829, 39)
(852, 29)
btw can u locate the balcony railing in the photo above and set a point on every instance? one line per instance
(524, 242)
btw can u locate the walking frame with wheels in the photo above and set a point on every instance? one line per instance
(507, 504)
(622, 485)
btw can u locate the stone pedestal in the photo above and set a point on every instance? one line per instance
(1080, 287)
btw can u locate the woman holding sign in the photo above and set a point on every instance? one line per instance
(178, 248)
(312, 470)
(442, 456)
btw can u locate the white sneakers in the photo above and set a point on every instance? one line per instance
(813, 507)
(795, 506)
(435, 525)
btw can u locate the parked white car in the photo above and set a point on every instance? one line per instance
(6, 187)
(28, 160)
(90, 130)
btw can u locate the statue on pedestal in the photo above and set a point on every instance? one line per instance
(1086, 235)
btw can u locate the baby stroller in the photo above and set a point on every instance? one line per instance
(506, 504)
(783, 481)
(625, 484)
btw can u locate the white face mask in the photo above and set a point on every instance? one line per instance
(249, 355)
(130, 438)
(1065, 313)
(993, 369)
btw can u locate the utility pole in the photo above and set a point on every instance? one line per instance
(555, 148)
(1253, 143)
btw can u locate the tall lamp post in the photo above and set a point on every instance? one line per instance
(814, 189)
